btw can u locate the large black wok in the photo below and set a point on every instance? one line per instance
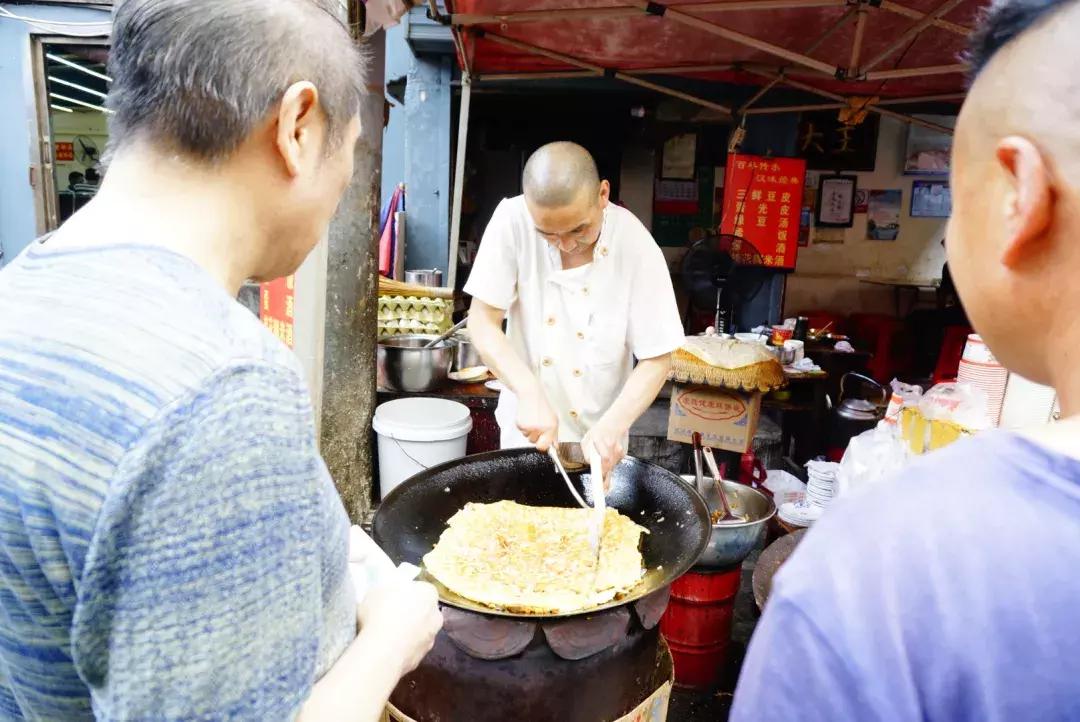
(411, 518)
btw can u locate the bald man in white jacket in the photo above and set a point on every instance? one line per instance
(587, 293)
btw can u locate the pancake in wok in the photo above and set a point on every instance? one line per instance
(538, 560)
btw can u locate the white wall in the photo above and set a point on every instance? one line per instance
(826, 277)
(636, 182)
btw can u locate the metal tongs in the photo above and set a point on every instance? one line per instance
(553, 452)
(699, 478)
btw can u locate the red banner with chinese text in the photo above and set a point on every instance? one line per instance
(65, 152)
(276, 300)
(762, 202)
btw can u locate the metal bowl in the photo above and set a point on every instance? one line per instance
(404, 365)
(431, 277)
(465, 355)
(729, 542)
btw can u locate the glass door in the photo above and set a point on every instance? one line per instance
(71, 84)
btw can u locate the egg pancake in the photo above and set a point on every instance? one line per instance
(535, 560)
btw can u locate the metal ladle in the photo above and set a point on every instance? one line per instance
(447, 334)
(710, 460)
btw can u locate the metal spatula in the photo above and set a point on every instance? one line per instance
(596, 525)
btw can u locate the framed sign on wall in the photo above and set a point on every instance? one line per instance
(836, 201)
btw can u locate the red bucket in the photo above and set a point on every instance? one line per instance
(697, 625)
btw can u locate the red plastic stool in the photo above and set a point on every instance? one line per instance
(952, 350)
(885, 338)
(697, 625)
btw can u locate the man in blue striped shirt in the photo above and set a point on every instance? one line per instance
(171, 545)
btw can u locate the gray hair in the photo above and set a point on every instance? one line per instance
(197, 76)
(557, 174)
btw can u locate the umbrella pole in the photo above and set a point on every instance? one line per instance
(459, 180)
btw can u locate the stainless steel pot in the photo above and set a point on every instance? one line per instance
(425, 277)
(404, 365)
(730, 543)
(466, 355)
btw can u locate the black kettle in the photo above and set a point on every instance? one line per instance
(852, 416)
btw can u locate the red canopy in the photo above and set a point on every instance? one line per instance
(891, 49)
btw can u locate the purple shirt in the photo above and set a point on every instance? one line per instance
(951, 594)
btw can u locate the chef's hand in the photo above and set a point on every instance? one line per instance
(536, 420)
(605, 439)
(401, 618)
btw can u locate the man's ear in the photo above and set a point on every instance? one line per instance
(1029, 202)
(297, 114)
(605, 192)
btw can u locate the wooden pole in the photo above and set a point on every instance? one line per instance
(459, 43)
(917, 72)
(856, 44)
(796, 108)
(634, 80)
(911, 33)
(907, 12)
(735, 5)
(750, 42)
(945, 97)
(941, 98)
(760, 94)
(880, 111)
(599, 70)
(623, 11)
(680, 69)
(557, 75)
(840, 22)
(544, 52)
(536, 16)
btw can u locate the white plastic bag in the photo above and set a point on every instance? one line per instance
(785, 487)
(871, 457)
(958, 403)
(369, 565)
(381, 14)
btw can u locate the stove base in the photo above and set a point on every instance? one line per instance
(629, 681)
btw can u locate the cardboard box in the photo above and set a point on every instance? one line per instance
(725, 419)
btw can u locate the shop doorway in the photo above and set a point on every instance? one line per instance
(71, 82)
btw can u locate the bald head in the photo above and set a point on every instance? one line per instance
(1023, 58)
(1016, 185)
(559, 174)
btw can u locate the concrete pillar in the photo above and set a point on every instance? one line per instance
(348, 388)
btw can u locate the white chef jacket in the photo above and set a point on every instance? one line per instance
(579, 330)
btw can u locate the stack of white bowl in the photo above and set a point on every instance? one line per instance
(820, 490)
(980, 369)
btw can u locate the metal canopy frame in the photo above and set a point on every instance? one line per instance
(794, 68)
(795, 63)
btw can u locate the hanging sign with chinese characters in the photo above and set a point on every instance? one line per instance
(65, 152)
(762, 204)
(276, 300)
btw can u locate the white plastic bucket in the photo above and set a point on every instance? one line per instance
(416, 434)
